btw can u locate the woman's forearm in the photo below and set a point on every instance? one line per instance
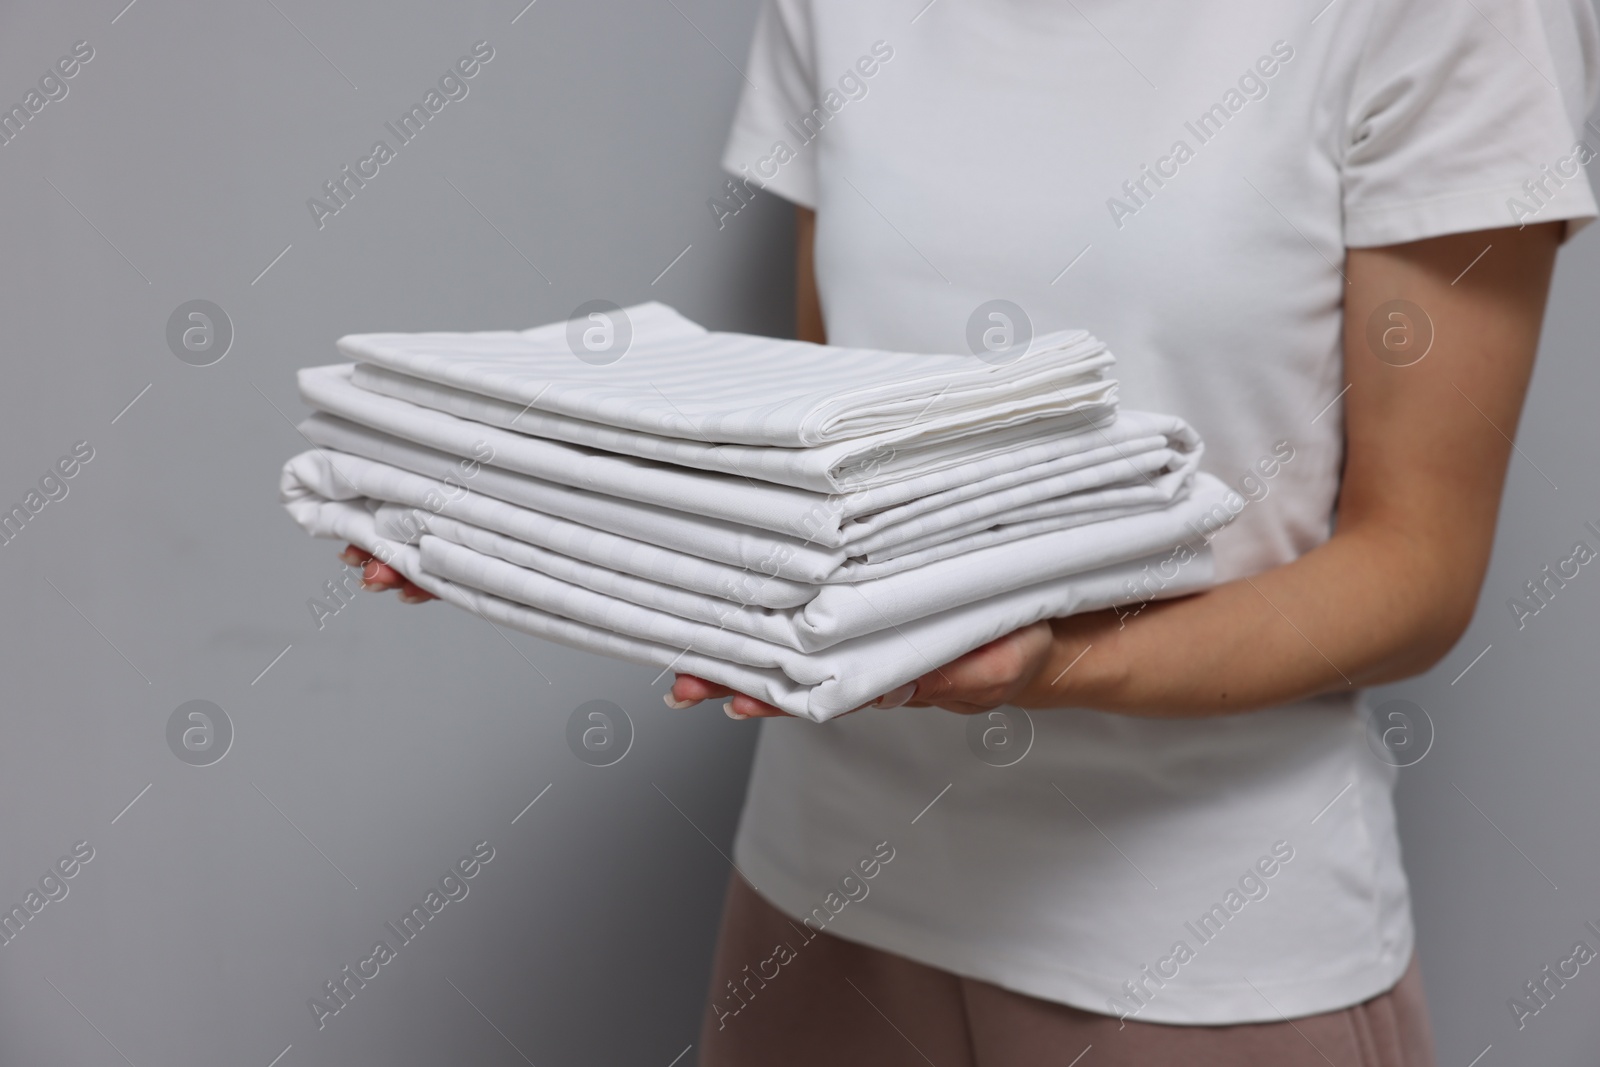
(1362, 609)
(1390, 592)
(1427, 440)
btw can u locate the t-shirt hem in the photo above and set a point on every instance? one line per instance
(1217, 1004)
(1478, 209)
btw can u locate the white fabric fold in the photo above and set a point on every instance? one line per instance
(674, 382)
(357, 462)
(839, 679)
(881, 459)
(566, 586)
(816, 534)
(1130, 446)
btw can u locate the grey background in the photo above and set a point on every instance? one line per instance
(379, 749)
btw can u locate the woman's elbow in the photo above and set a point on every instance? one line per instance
(1447, 615)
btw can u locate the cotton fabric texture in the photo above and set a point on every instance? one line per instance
(852, 665)
(964, 526)
(812, 525)
(1188, 194)
(815, 600)
(796, 402)
(1107, 451)
(844, 466)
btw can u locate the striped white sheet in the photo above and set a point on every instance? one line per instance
(399, 472)
(832, 682)
(736, 388)
(1133, 446)
(880, 459)
(550, 581)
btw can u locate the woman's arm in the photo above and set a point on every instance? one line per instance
(807, 304)
(1426, 450)
(1391, 591)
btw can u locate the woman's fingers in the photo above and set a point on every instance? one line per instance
(411, 593)
(748, 707)
(374, 575)
(688, 690)
(896, 698)
(987, 676)
(378, 577)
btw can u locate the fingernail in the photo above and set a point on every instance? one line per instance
(411, 598)
(672, 702)
(727, 709)
(896, 698)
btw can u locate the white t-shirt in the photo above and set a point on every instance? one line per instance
(1182, 179)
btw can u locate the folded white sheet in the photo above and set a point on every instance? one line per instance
(674, 382)
(880, 459)
(1130, 446)
(606, 562)
(968, 497)
(837, 680)
(355, 462)
(579, 590)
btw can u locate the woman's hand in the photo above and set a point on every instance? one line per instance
(990, 675)
(689, 690)
(1001, 672)
(379, 577)
(1426, 444)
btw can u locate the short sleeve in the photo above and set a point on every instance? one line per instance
(1463, 117)
(779, 89)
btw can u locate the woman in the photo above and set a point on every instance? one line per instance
(1323, 235)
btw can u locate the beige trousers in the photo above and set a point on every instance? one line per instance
(841, 1004)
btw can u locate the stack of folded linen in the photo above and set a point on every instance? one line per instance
(812, 525)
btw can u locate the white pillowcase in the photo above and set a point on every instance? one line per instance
(675, 382)
(881, 459)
